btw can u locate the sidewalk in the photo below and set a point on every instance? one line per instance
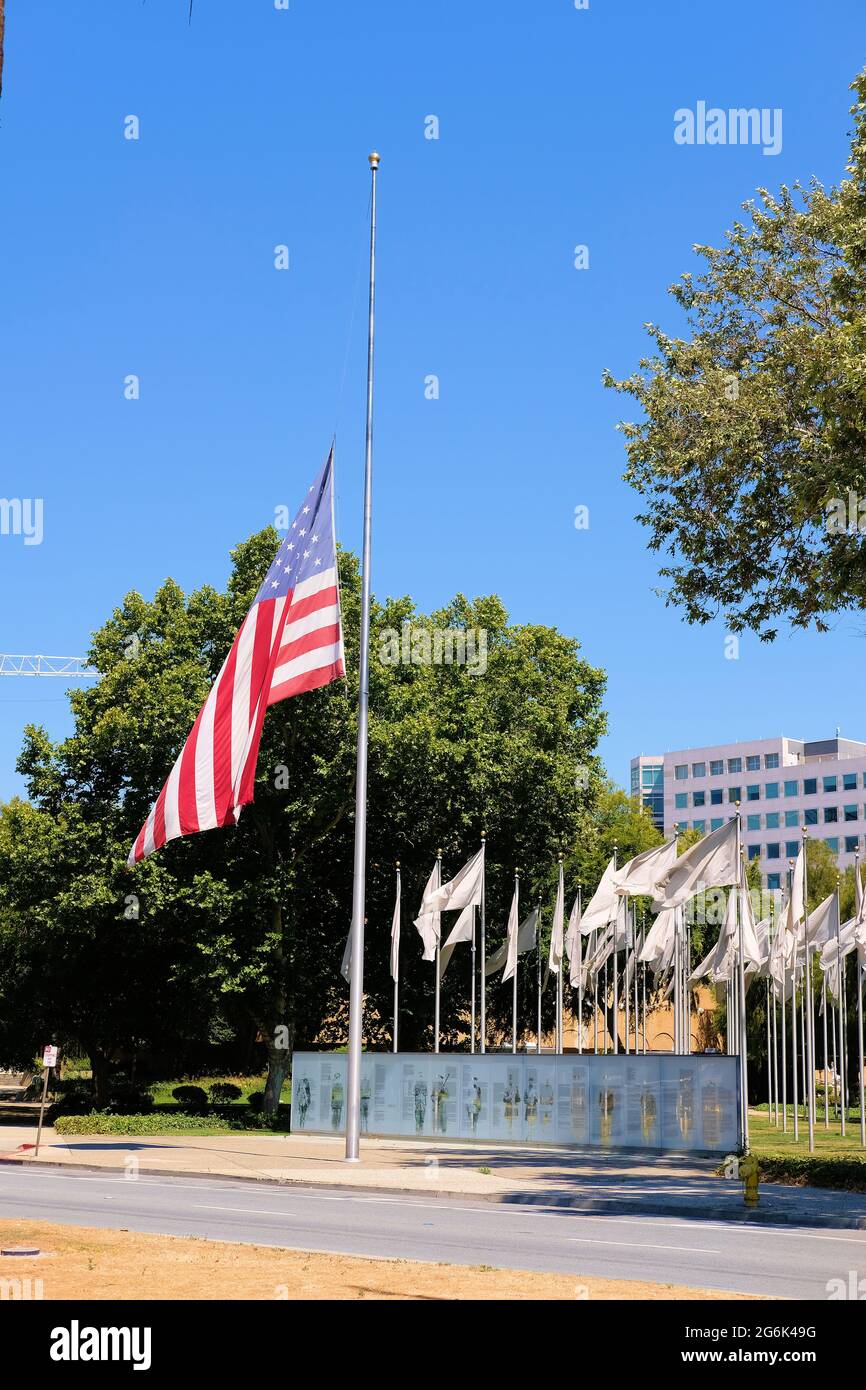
(587, 1180)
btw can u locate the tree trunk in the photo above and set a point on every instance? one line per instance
(279, 1060)
(99, 1072)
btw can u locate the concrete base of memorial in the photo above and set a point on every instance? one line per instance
(659, 1102)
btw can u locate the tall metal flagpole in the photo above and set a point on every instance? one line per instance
(397, 972)
(516, 959)
(808, 1015)
(436, 995)
(579, 978)
(483, 940)
(741, 981)
(474, 967)
(538, 984)
(356, 990)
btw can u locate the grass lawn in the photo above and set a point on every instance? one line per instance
(766, 1141)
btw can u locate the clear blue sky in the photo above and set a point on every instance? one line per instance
(155, 257)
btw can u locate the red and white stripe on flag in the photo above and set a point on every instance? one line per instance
(290, 641)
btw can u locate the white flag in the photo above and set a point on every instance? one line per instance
(463, 930)
(346, 965)
(822, 923)
(526, 938)
(464, 888)
(395, 935)
(574, 945)
(557, 943)
(642, 874)
(429, 923)
(713, 862)
(602, 905)
(658, 949)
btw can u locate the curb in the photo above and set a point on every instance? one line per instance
(600, 1206)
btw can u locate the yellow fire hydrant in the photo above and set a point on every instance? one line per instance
(748, 1169)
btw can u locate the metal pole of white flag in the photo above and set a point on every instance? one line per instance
(769, 1060)
(356, 989)
(843, 1099)
(859, 977)
(559, 972)
(579, 944)
(397, 967)
(794, 1091)
(809, 1039)
(625, 988)
(438, 929)
(614, 965)
(483, 940)
(826, 1058)
(538, 986)
(784, 958)
(741, 981)
(474, 967)
(516, 960)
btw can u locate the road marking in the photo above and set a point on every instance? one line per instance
(636, 1245)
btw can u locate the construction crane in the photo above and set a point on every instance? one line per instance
(72, 667)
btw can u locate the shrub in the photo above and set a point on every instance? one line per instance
(160, 1124)
(192, 1099)
(224, 1092)
(256, 1101)
(72, 1103)
(129, 1100)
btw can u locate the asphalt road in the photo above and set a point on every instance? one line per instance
(789, 1262)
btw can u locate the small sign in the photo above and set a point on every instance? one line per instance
(49, 1056)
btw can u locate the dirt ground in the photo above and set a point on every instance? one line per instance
(92, 1264)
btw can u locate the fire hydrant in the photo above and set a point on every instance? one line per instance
(748, 1169)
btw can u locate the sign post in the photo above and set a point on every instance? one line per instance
(49, 1060)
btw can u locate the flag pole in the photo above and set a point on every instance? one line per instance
(809, 1040)
(397, 969)
(438, 948)
(356, 992)
(860, 977)
(483, 940)
(474, 968)
(559, 975)
(514, 977)
(741, 980)
(538, 983)
(843, 1099)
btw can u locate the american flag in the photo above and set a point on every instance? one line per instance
(290, 641)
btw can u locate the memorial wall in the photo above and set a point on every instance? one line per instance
(653, 1102)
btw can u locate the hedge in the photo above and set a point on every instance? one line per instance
(809, 1170)
(161, 1124)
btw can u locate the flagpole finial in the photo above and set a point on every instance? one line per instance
(397, 864)
(484, 834)
(374, 160)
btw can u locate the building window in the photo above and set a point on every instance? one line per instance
(681, 771)
(792, 818)
(753, 793)
(681, 800)
(791, 788)
(792, 849)
(774, 882)
(717, 767)
(753, 762)
(734, 793)
(849, 782)
(850, 812)
(699, 825)
(852, 844)
(681, 825)
(833, 842)
(810, 817)
(773, 850)
(754, 851)
(772, 820)
(716, 796)
(753, 822)
(771, 790)
(735, 764)
(771, 760)
(717, 822)
(699, 799)
(810, 786)
(831, 815)
(829, 784)
(699, 769)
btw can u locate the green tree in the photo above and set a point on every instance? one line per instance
(755, 421)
